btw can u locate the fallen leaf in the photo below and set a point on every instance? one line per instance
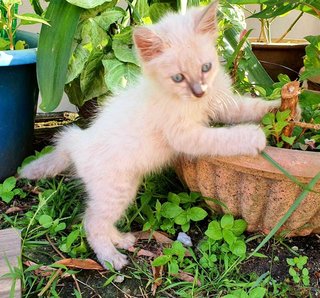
(44, 271)
(187, 277)
(146, 253)
(157, 277)
(86, 264)
(161, 237)
(142, 235)
(13, 209)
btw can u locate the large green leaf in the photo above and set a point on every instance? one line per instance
(92, 77)
(54, 51)
(142, 8)
(109, 17)
(87, 3)
(93, 34)
(118, 75)
(276, 9)
(124, 52)
(77, 61)
(158, 10)
(31, 18)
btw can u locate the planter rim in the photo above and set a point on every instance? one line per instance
(304, 164)
(21, 57)
(288, 43)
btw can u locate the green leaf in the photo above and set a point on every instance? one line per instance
(109, 16)
(227, 221)
(289, 140)
(93, 36)
(197, 213)
(142, 8)
(19, 192)
(228, 236)
(296, 279)
(161, 260)
(20, 45)
(182, 218)
(54, 51)
(268, 119)
(77, 62)
(92, 81)
(292, 272)
(173, 198)
(72, 237)
(185, 198)
(9, 184)
(60, 227)
(305, 272)
(214, 230)
(87, 3)
(239, 227)
(46, 221)
(7, 196)
(185, 227)
(258, 292)
(158, 10)
(282, 116)
(31, 18)
(118, 75)
(306, 281)
(290, 262)
(4, 44)
(124, 52)
(125, 35)
(170, 210)
(238, 248)
(173, 267)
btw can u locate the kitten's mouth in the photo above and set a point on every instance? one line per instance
(198, 90)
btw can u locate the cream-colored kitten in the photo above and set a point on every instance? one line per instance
(145, 127)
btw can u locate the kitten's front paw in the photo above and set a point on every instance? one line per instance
(252, 140)
(124, 240)
(117, 259)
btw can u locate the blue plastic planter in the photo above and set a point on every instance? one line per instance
(18, 101)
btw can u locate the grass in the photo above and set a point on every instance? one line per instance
(49, 215)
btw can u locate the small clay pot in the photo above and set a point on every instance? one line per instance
(252, 188)
(285, 57)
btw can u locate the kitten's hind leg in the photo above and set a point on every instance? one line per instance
(109, 198)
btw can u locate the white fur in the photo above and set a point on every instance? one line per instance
(146, 126)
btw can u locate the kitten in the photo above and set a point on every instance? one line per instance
(144, 128)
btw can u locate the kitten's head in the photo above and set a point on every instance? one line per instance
(179, 54)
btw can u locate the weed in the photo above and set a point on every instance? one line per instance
(298, 271)
(8, 190)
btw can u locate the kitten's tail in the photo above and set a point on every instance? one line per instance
(54, 162)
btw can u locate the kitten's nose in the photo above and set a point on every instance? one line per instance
(198, 89)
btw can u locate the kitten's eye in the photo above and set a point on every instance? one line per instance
(178, 78)
(206, 67)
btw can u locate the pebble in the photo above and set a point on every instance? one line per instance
(295, 248)
(119, 279)
(184, 239)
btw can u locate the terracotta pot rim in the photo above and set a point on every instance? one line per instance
(286, 43)
(304, 164)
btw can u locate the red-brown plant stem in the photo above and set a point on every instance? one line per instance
(289, 101)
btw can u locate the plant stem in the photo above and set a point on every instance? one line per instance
(306, 125)
(9, 24)
(290, 28)
(289, 100)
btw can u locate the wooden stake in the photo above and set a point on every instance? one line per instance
(289, 101)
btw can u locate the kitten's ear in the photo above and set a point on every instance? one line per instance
(207, 22)
(148, 43)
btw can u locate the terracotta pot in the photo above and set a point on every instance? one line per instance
(253, 189)
(276, 58)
